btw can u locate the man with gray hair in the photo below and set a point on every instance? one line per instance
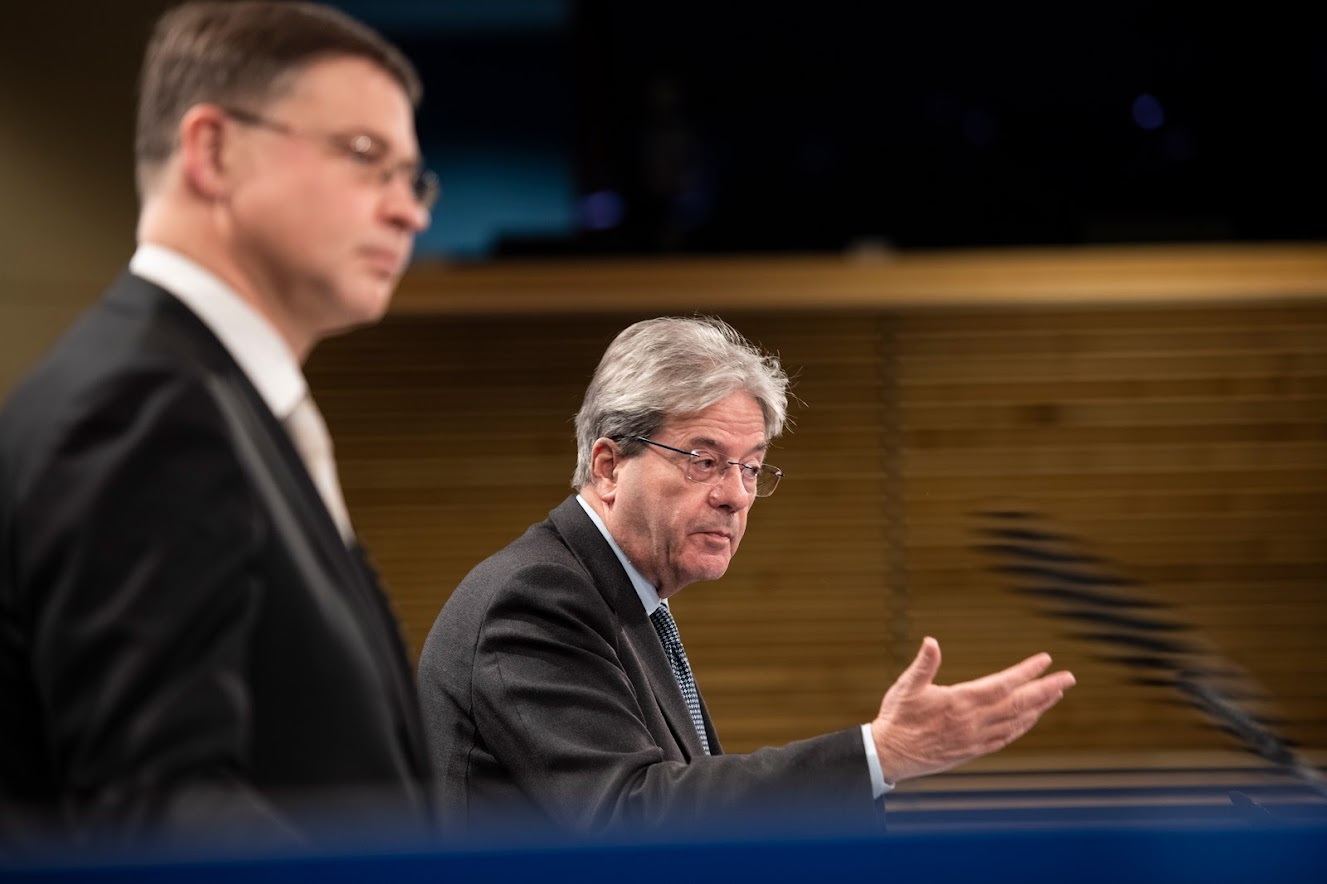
(554, 686)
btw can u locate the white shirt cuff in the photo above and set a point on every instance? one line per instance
(878, 785)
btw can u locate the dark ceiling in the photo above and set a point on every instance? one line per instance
(735, 127)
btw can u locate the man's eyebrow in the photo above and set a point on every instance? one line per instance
(383, 143)
(707, 442)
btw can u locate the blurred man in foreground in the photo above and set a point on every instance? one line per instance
(191, 644)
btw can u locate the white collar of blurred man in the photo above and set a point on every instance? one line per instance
(248, 337)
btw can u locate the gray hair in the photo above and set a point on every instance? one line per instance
(671, 366)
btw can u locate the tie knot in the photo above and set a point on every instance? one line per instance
(664, 624)
(308, 429)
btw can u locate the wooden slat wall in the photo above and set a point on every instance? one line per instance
(1187, 444)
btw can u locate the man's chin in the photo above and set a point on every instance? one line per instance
(363, 308)
(375, 299)
(710, 567)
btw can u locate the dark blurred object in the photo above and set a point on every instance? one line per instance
(1147, 636)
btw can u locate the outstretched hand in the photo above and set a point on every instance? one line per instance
(924, 728)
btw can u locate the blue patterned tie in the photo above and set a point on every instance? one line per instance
(672, 643)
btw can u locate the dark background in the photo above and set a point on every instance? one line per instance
(566, 127)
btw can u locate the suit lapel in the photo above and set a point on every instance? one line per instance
(194, 341)
(408, 699)
(332, 568)
(645, 642)
(312, 538)
(638, 633)
(715, 747)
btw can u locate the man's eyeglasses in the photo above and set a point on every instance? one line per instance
(707, 468)
(361, 149)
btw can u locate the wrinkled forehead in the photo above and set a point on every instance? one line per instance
(733, 426)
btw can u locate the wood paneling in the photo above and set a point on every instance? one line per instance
(1183, 442)
(1147, 276)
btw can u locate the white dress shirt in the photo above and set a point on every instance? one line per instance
(261, 354)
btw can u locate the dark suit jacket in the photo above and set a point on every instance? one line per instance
(548, 699)
(186, 644)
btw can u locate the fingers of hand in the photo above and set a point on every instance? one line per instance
(1020, 710)
(998, 684)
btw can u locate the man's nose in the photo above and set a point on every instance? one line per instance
(403, 207)
(731, 490)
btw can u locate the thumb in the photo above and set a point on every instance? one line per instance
(924, 667)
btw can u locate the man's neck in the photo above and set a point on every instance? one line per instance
(197, 239)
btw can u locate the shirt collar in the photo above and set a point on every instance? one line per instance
(649, 596)
(250, 339)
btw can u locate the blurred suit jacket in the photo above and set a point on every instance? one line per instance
(549, 702)
(187, 646)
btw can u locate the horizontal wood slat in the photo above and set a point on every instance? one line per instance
(1205, 273)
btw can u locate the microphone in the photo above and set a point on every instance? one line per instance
(1143, 634)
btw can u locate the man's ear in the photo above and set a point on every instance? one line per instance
(605, 462)
(203, 158)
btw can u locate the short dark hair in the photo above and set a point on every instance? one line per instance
(242, 51)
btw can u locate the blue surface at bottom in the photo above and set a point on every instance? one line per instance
(1285, 853)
